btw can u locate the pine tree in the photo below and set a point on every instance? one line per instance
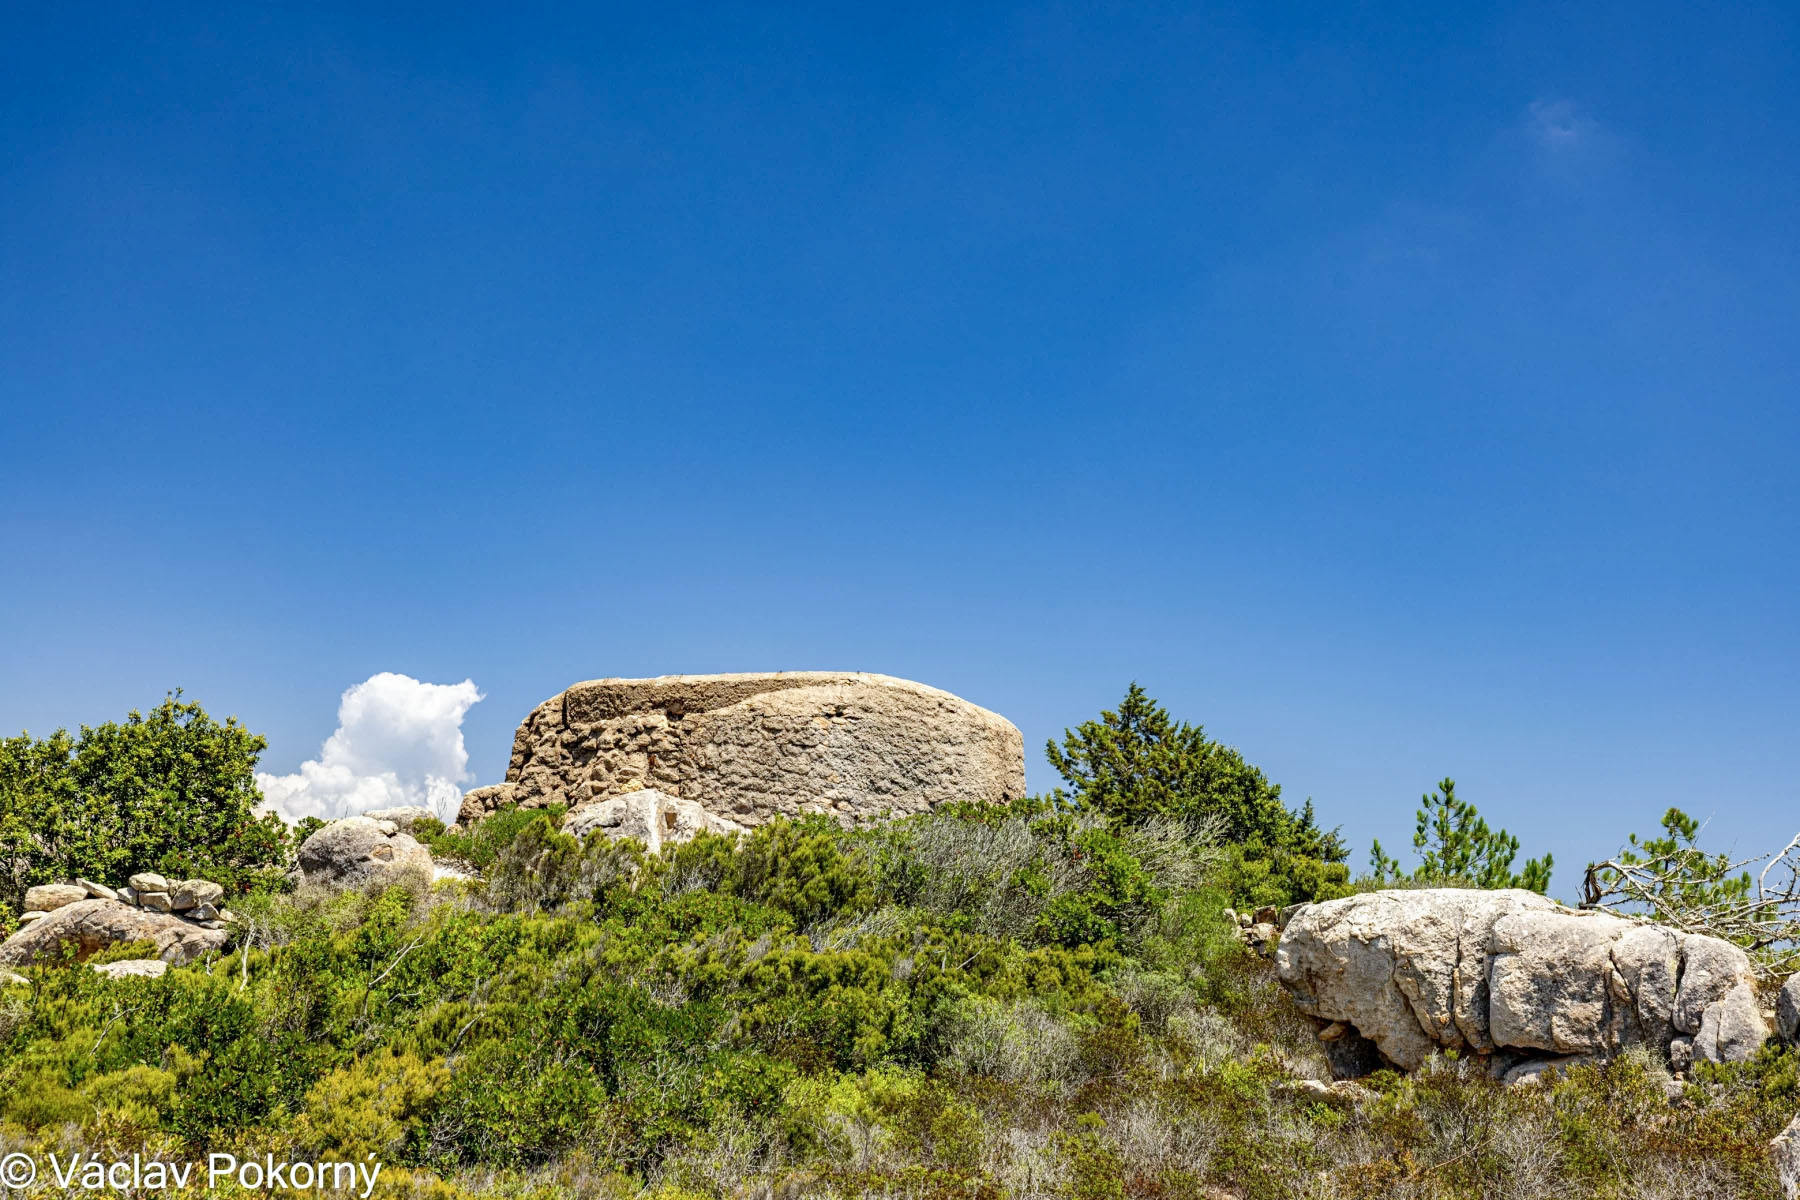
(1138, 762)
(1456, 848)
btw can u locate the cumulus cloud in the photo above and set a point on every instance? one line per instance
(398, 741)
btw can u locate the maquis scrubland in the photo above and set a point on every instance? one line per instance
(1076, 995)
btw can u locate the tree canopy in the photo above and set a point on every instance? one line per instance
(1137, 762)
(171, 790)
(1456, 847)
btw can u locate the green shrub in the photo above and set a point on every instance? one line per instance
(171, 790)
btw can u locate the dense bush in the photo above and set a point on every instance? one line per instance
(1025, 1003)
(171, 790)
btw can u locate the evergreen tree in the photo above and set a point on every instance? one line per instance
(1456, 848)
(1138, 762)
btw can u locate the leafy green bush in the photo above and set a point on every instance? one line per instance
(171, 790)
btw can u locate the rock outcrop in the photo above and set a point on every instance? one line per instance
(747, 748)
(1515, 976)
(359, 852)
(94, 924)
(649, 816)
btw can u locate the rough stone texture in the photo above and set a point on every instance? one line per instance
(752, 747)
(1732, 1028)
(356, 852)
(144, 968)
(160, 902)
(192, 893)
(148, 881)
(93, 925)
(649, 816)
(1514, 973)
(98, 890)
(1786, 1151)
(1787, 1011)
(403, 817)
(49, 897)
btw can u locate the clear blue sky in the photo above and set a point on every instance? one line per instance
(1399, 391)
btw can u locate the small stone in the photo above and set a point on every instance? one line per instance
(98, 891)
(1681, 1054)
(192, 893)
(12, 979)
(149, 881)
(1268, 914)
(156, 901)
(390, 828)
(26, 918)
(49, 897)
(128, 894)
(1340, 1095)
(141, 968)
(1333, 1031)
(225, 914)
(1532, 1072)
(203, 912)
(1231, 917)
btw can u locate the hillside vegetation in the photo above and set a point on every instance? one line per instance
(1041, 1001)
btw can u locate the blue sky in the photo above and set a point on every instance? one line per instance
(1398, 391)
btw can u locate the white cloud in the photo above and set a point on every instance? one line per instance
(398, 741)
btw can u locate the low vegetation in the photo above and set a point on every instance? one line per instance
(1008, 1004)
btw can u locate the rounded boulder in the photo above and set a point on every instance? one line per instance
(358, 852)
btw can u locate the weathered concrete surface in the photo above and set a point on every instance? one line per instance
(1514, 974)
(93, 925)
(748, 748)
